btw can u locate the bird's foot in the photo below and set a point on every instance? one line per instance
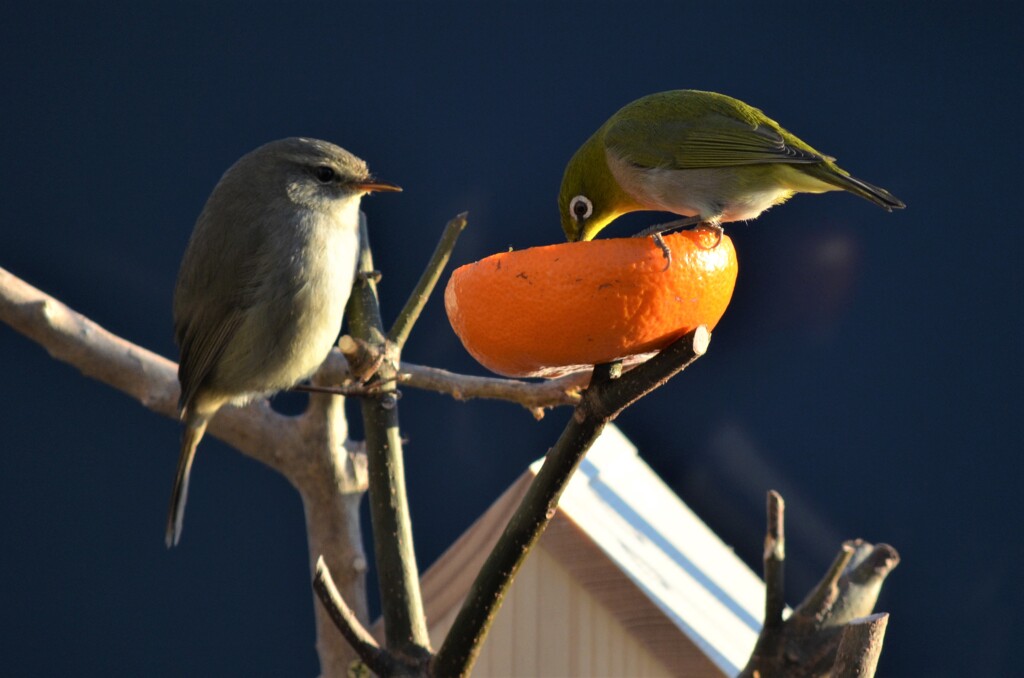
(665, 251)
(658, 230)
(717, 230)
(668, 227)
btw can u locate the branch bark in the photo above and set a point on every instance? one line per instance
(609, 393)
(310, 449)
(534, 396)
(398, 576)
(807, 642)
(410, 313)
(860, 647)
(827, 632)
(151, 379)
(774, 562)
(348, 623)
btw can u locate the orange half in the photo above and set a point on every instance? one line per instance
(550, 310)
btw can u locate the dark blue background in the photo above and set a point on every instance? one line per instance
(868, 367)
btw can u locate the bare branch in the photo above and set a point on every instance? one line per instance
(805, 644)
(151, 379)
(379, 661)
(860, 647)
(534, 396)
(401, 600)
(821, 598)
(330, 474)
(310, 450)
(862, 581)
(418, 299)
(362, 357)
(774, 561)
(645, 377)
(608, 394)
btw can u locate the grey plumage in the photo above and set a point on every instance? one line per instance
(264, 282)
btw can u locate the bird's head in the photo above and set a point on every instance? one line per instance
(590, 197)
(312, 173)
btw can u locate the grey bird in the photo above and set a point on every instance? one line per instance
(264, 282)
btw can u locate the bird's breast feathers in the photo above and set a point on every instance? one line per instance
(284, 338)
(329, 271)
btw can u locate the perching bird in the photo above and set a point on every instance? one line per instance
(698, 154)
(264, 282)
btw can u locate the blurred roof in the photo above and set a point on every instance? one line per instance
(631, 543)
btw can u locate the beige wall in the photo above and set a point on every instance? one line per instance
(549, 626)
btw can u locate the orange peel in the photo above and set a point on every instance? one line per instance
(546, 311)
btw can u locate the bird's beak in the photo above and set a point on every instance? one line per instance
(373, 186)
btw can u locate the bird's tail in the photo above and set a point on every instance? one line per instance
(875, 194)
(176, 513)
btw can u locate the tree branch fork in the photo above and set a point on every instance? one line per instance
(833, 631)
(827, 632)
(312, 449)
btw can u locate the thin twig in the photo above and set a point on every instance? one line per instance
(533, 396)
(398, 576)
(361, 358)
(821, 598)
(860, 647)
(862, 580)
(876, 564)
(378, 660)
(619, 394)
(603, 400)
(805, 644)
(418, 299)
(775, 561)
(355, 390)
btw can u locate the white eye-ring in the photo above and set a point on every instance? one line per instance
(580, 207)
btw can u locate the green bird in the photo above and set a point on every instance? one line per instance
(702, 155)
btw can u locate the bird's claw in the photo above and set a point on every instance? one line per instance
(717, 230)
(665, 251)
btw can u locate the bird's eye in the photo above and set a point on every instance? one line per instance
(581, 207)
(324, 174)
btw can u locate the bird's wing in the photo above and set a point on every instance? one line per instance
(206, 322)
(202, 342)
(710, 140)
